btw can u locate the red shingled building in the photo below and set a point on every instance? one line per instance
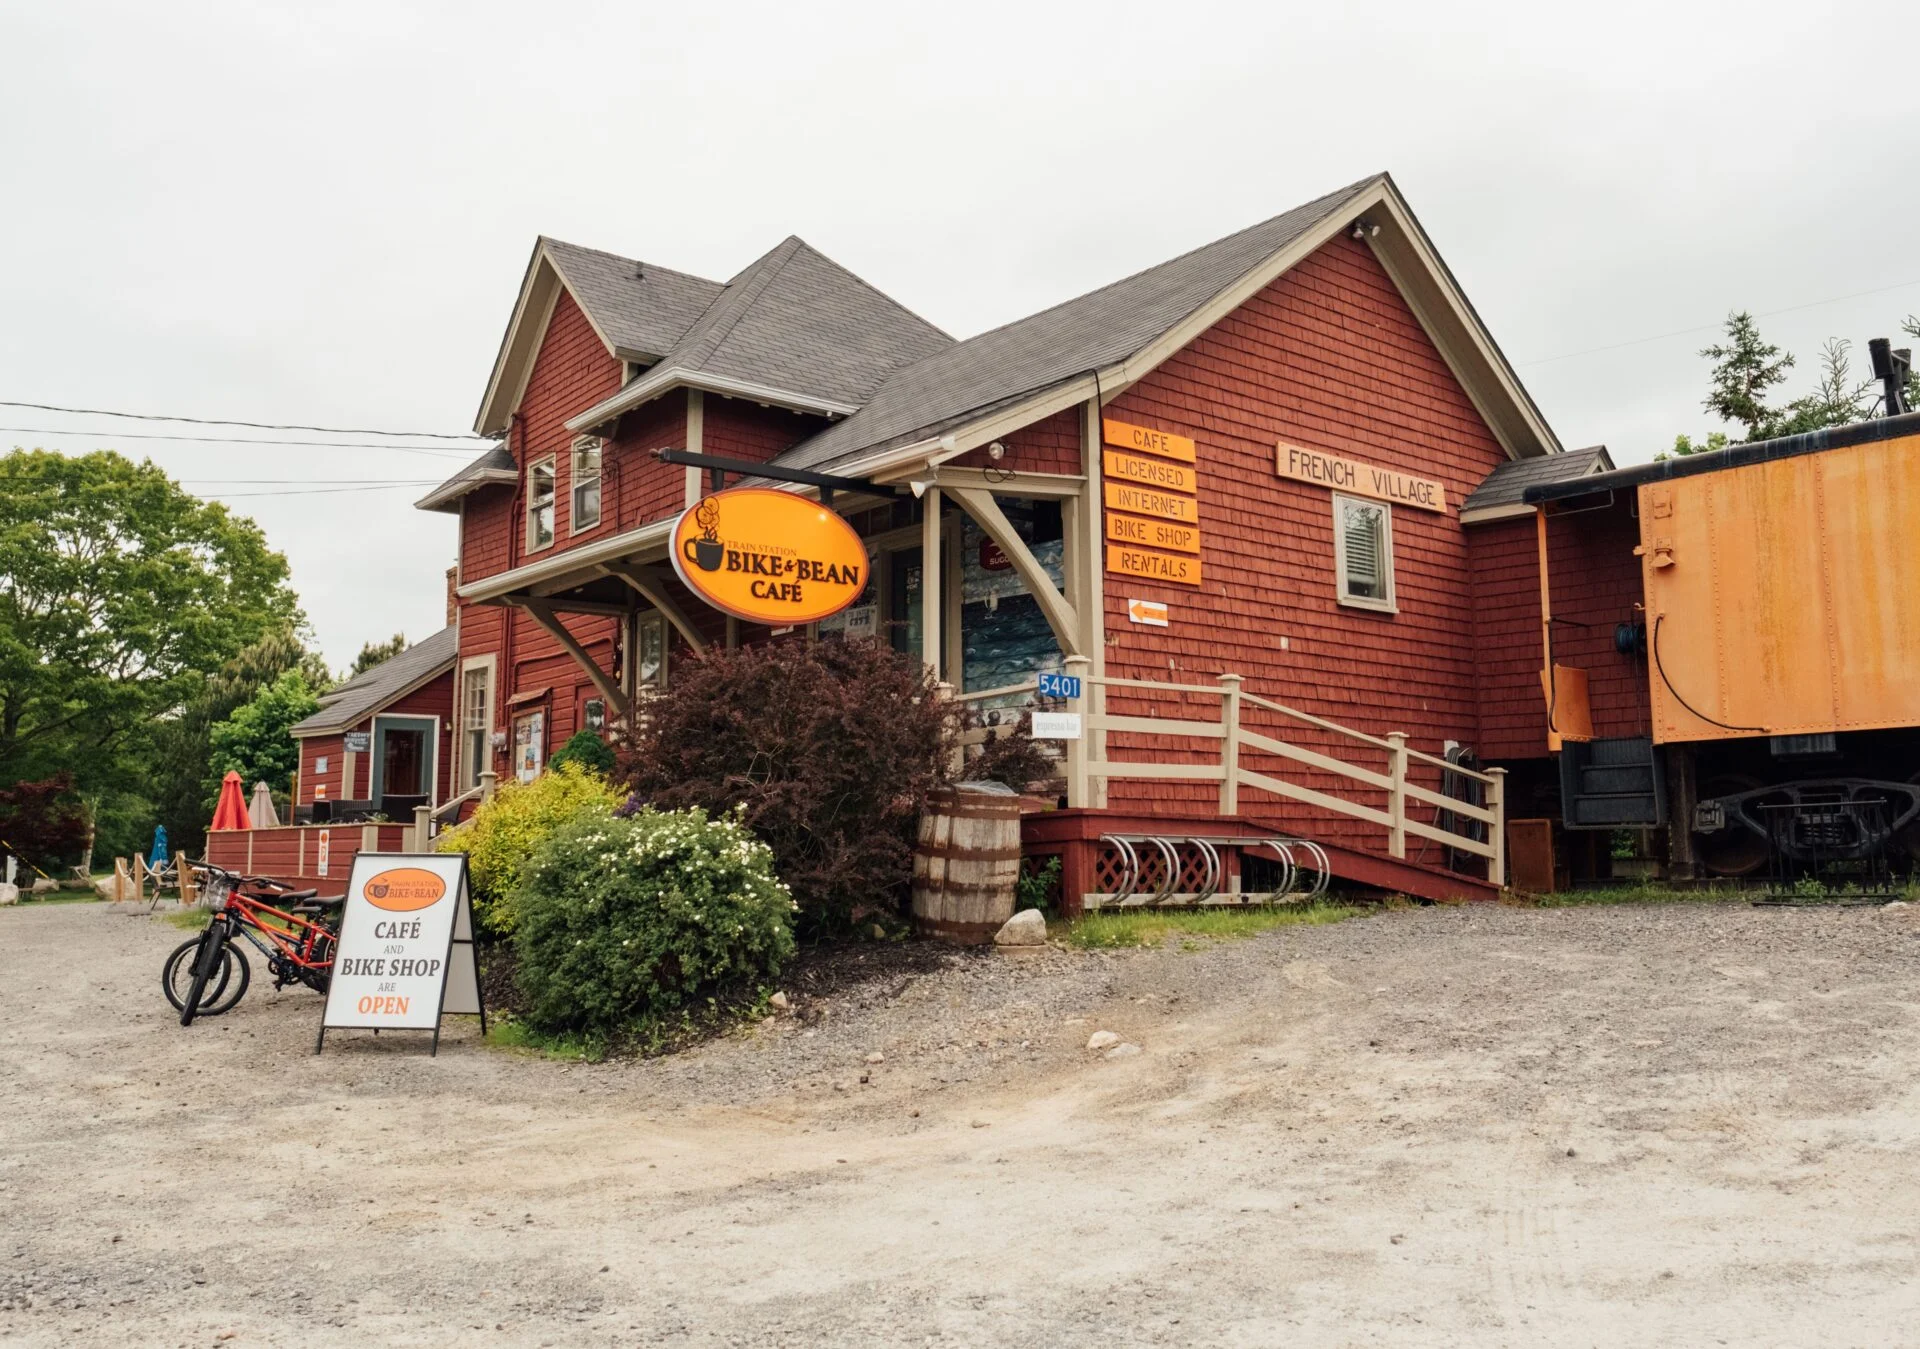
(1347, 537)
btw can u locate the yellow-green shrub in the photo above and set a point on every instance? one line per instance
(507, 830)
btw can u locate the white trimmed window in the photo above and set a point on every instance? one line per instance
(1363, 553)
(586, 483)
(650, 643)
(540, 489)
(476, 722)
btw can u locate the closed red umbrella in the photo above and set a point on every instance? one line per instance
(230, 812)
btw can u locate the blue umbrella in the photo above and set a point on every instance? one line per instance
(158, 857)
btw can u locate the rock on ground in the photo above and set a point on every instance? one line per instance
(1026, 928)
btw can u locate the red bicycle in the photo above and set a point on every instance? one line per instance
(209, 974)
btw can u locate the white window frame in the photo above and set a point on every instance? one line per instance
(468, 774)
(1387, 604)
(641, 623)
(575, 482)
(533, 503)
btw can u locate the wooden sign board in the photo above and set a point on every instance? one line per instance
(1153, 533)
(1138, 562)
(1147, 441)
(405, 954)
(1149, 472)
(1350, 475)
(1125, 496)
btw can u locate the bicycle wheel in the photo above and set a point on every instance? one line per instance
(228, 987)
(208, 962)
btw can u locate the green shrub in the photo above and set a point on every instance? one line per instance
(625, 920)
(588, 750)
(505, 831)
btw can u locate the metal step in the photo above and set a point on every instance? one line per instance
(1615, 783)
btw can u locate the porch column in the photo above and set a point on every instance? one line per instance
(1086, 539)
(932, 617)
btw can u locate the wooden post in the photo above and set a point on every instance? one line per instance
(1078, 793)
(957, 759)
(189, 892)
(140, 877)
(1497, 803)
(931, 615)
(487, 779)
(1230, 744)
(1397, 793)
(120, 879)
(369, 839)
(422, 829)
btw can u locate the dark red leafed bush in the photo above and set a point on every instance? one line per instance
(830, 748)
(43, 822)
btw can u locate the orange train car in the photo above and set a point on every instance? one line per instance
(1779, 626)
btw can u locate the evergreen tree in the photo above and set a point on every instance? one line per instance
(377, 653)
(1745, 368)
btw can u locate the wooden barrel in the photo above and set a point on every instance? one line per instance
(966, 862)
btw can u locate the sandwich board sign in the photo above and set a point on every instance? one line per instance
(405, 956)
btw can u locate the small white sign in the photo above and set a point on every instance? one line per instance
(1153, 613)
(1056, 726)
(405, 954)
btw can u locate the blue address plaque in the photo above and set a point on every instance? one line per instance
(1059, 685)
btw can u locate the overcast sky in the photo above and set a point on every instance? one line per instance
(320, 213)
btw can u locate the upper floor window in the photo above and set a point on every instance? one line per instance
(540, 489)
(1363, 553)
(586, 482)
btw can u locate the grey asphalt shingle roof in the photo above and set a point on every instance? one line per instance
(359, 698)
(495, 464)
(1507, 484)
(973, 377)
(638, 307)
(797, 320)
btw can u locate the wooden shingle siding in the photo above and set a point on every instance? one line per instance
(1328, 357)
(742, 430)
(1596, 583)
(574, 370)
(1049, 446)
(640, 488)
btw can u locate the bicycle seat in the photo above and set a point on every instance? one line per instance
(312, 905)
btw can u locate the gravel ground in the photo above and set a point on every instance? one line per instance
(1654, 1125)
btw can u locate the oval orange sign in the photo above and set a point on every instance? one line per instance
(769, 557)
(404, 889)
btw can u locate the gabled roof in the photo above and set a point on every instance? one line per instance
(1121, 331)
(794, 328)
(495, 465)
(1503, 490)
(343, 708)
(638, 310)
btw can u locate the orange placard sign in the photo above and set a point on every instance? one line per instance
(769, 557)
(1124, 496)
(1163, 443)
(1148, 472)
(1148, 566)
(1350, 475)
(404, 889)
(1153, 533)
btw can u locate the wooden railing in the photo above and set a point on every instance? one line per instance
(1237, 739)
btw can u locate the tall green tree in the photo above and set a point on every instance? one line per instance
(117, 590)
(184, 743)
(1746, 368)
(256, 740)
(377, 653)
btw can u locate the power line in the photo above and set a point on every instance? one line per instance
(318, 491)
(257, 426)
(238, 440)
(1712, 327)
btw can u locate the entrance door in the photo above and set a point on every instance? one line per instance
(403, 762)
(904, 608)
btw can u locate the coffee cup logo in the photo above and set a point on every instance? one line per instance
(707, 549)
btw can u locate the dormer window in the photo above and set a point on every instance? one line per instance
(586, 482)
(540, 492)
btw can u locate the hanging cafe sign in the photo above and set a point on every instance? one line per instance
(769, 557)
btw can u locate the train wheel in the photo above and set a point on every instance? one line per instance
(1735, 850)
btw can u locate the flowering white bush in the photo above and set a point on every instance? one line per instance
(624, 919)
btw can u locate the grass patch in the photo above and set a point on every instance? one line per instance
(1649, 892)
(1112, 929)
(511, 1034)
(187, 920)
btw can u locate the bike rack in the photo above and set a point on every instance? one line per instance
(1127, 847)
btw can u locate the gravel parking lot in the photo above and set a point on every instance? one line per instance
(1684, 1125)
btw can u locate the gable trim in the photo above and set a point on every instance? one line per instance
(336, 728)
(657, 382)
(526, 332)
